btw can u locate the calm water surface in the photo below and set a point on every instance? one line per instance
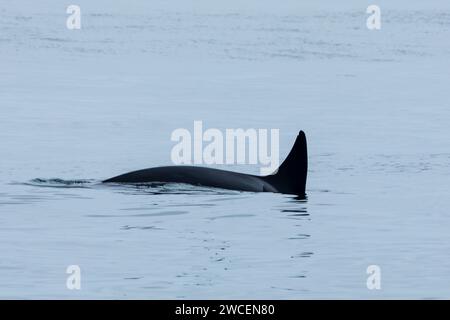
(79, 107)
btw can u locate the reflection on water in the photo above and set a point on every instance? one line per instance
(179, 235)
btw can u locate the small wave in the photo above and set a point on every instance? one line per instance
(164, 188)
(154, 188)
(61, 183)
(151, 188)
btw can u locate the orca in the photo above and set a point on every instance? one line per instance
(290, 178)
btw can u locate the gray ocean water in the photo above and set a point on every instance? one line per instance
(79, 106)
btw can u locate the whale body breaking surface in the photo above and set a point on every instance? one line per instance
(290, 178)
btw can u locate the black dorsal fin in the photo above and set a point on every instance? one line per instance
(291, 175)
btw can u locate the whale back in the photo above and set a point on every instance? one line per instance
(290, 178)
